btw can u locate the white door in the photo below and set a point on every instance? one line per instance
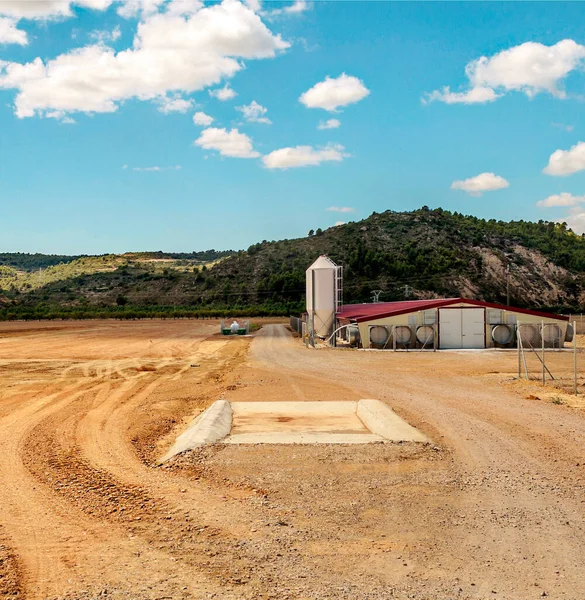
(473, 326)
(450, 331)
(462, 328)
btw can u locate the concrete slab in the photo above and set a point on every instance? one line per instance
(209, 427)
(381, 419)
(299, 437)
(325, 417)
(362, 422)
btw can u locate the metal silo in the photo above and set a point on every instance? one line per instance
(323, 295)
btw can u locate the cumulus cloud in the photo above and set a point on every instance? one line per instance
(302, 156)
(575, 220)
(332, 93)
(484, 182)
(227, 143)
(174, 104)
(476, 95)
(255, 113)
(567, 128)
(169, 54)
(155, 169)
(562, 199)
(531, 68)
(130, 9)
(341, 209)
(106, 36)
(184, 7)
(47, 9)
(329, 124)
(224, 93)
(200, 118)
(10, 34)
(566, 162)
(255, 5)
(296, 8)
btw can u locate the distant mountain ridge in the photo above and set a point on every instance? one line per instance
(420, 254)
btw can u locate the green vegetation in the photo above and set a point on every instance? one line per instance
(420, 254)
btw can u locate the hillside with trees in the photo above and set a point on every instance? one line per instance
(419, 254)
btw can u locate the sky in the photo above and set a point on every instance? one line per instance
(179, 125)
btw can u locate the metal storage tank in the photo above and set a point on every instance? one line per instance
(502, 334)
(530, 334)
(552, 334)
(425, 335)
(321, 295)
(353, 335)
(379, 336)
(402, 335)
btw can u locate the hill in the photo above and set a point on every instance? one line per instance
(420, 254)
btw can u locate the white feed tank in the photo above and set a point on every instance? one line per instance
(321, 295)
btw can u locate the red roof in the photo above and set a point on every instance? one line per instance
(380, 310)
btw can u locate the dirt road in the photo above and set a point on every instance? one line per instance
(493, 509)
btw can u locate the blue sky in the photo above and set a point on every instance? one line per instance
(99, 151)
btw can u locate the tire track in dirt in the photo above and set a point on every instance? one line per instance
(83, 453)
(11, 584)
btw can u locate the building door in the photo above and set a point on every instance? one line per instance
(461, 328)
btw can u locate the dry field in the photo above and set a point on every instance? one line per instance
(494, 508)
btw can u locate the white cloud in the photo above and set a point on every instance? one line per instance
(254, 113)
(531, 68)
(329, 124)
(227, 143)
(61, 116)
(255, 5)
(332, 93)
(184, 7)
(564, 127)
(562, 199)
(133, 8)
(296, 8)
(200, 118)
(10, 34)
(476, 95)
(47, 9)
(341, 209)
(155, 169)
(224, 93)
(575, 220)
(566, 162)
(169, 54)
(484, 182)
(302, 156)
(338, 223)
(174, 104)
(105, 36)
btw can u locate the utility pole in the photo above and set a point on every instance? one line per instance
(407, 291)
(508, 284)
(376, 295)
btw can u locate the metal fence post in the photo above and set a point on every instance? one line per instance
(575, 356)
(542, 343)
(518, 346)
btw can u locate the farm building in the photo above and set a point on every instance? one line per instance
(450, 323)
(445, 323)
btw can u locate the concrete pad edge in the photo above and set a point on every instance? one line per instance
(379, 418)
(212, 425)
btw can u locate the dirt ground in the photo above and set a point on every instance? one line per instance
(493, 508)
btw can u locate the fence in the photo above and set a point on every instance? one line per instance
(579, 321)
(534, 340)
(296, 324)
